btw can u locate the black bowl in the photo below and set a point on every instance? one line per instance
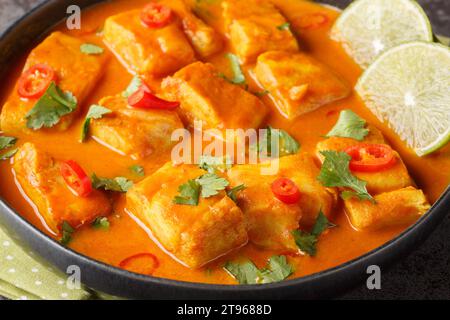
(21, 37)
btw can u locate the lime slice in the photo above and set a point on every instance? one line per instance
(368, 28)
(408, 87)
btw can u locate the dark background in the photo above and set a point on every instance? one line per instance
(425, 273)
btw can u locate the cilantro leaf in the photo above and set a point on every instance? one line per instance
(247, 272)
(49, 109)
(284, 26)
(206, 186)
(7, 142)
(8, 154)
(119, 184)
(306, 241)
(189, 193)
(287, 145)
(238, 75)
(134, 85)
(278, 269)
(349, 125)
(138, 170)
(95, 112)
(101, 223)
(67, 231)
(211, 184)
(335, 172)
(232, 193)
(321, 224)
(88, 48)
(244, 273)
(213, 164)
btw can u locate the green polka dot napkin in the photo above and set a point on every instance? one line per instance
(23, 277)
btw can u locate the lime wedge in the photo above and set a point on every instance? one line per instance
(409, 88)
(368, 28)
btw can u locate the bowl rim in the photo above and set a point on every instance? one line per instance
(441, 204)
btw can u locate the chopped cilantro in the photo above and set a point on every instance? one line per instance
(232, 193)
(211, 184)
(238, 75)
(335, 172)
(284, 26)
(306, 241)
(7, 142)
(189, 193)
(134, 85)
(101, 223)
(8, 154)
(287, 145)
(67, 232)
(278, 269)
(119, 184)
(349, 125)
(206, 186)
(95, 112)
(247, 272)
(213, 164)
(88, 48)
(138, 170)
(49, 109)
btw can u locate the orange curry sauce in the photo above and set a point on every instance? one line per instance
(126, 238)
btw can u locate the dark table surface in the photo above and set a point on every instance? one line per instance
(425, 273)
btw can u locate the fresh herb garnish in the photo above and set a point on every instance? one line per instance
(213, 164)
(247, 272)
(287, 145)
(67, 232)
(49, 109)
(189, 193)
(7, 142)
(238, 75)
(8, 154)
(335, 172)
(211, 184)
(88, 48)
(206, 186)
(349, 125)
(95, 112)
(138, 170)
(101, 223)
(284, 26)
(134, 85)
(232, 193)
(119, 184)
(306, 241)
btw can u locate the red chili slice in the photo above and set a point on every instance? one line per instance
(371, 157)
(286, 190)
(155, 15)
(312, 21)
(144, 99)
(34, 81)
(75, 178)
(142, 263)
